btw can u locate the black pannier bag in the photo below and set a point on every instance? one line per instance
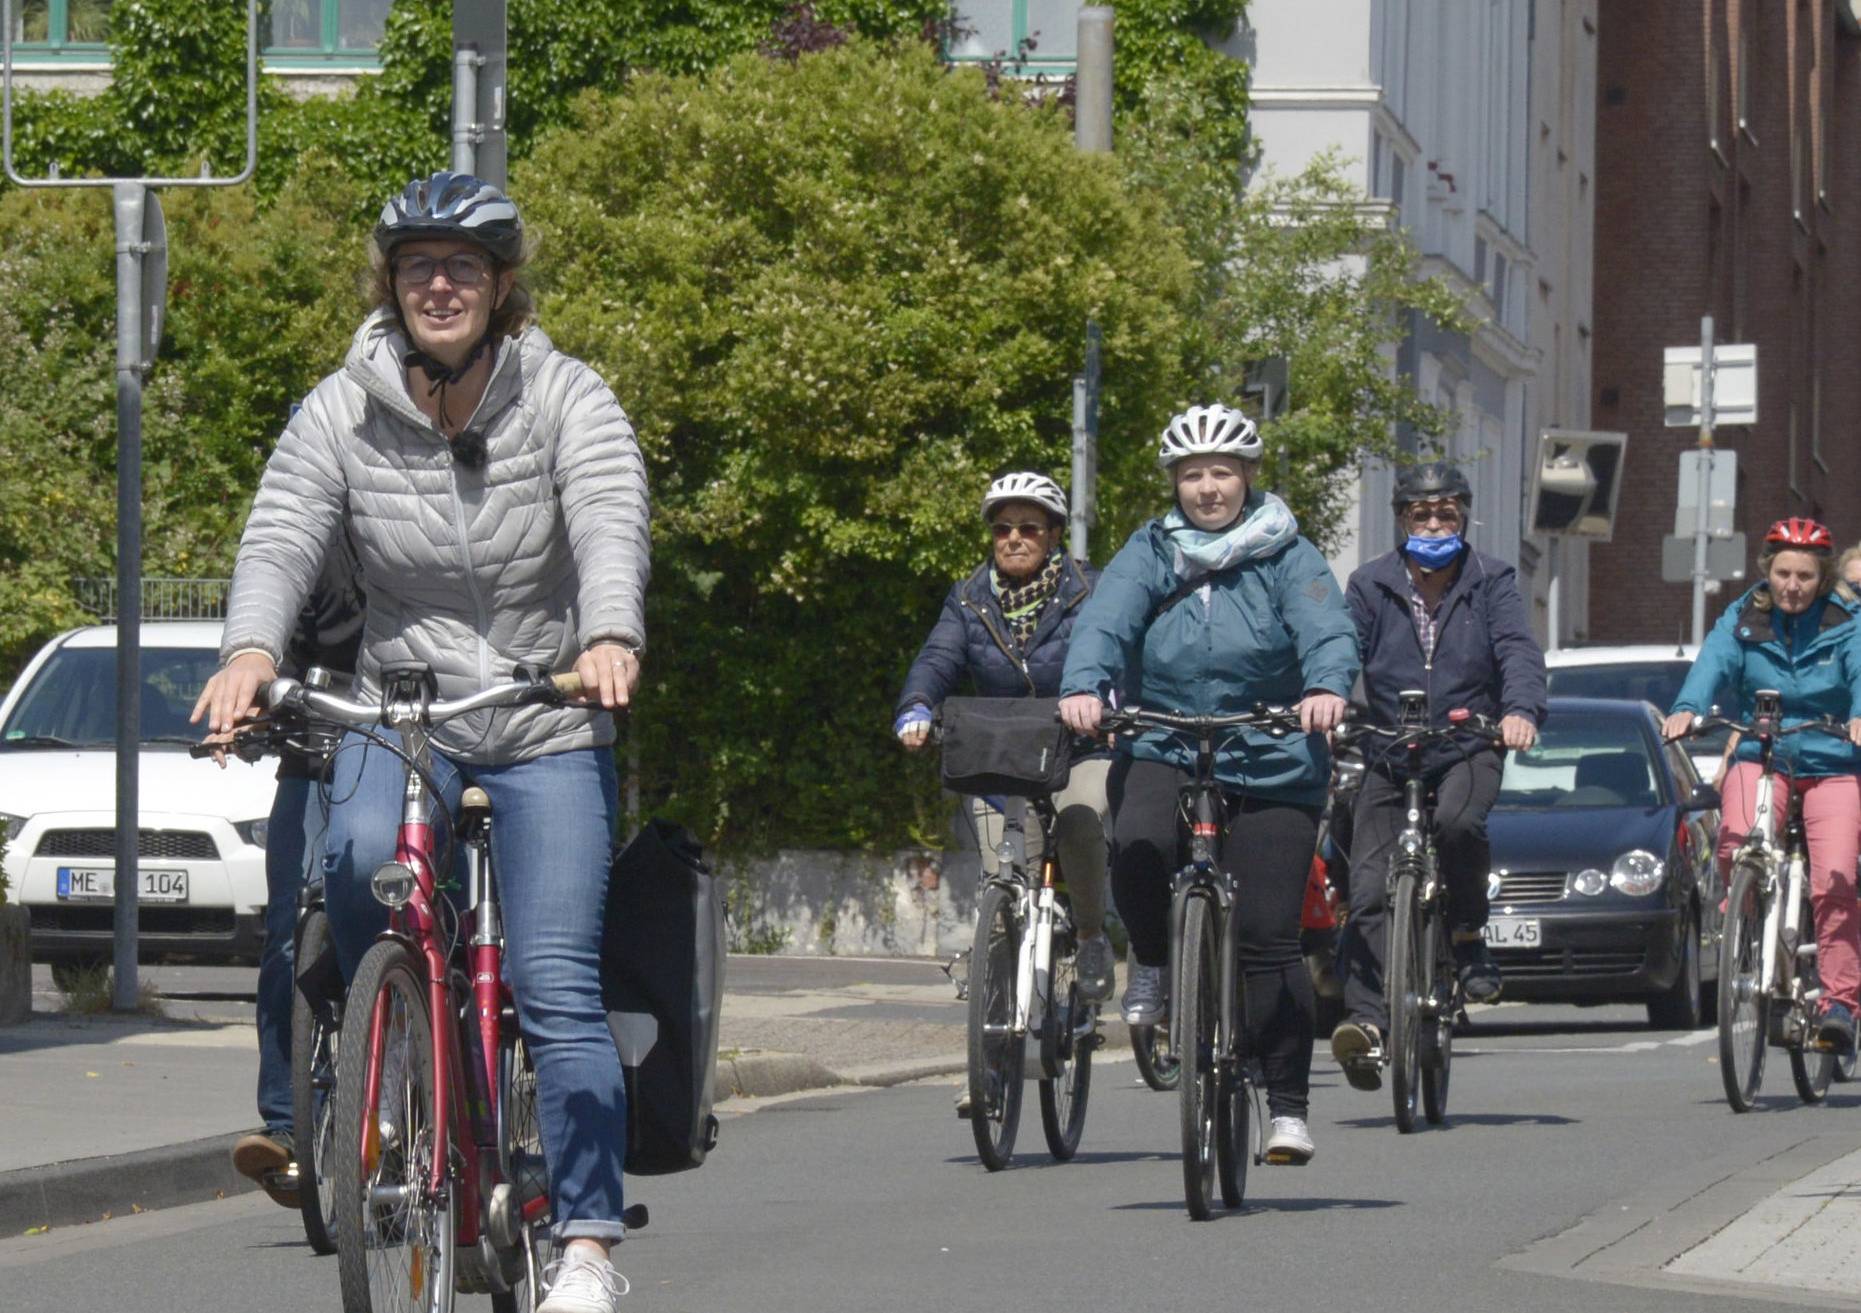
(662, 983)
(1011, 747)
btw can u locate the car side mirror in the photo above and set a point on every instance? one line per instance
(1704, 798)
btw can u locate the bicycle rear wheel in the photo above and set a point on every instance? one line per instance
(1404, 986)
(1437, 1032)
(394, 1234)
(1744, 997)
(1198, 1004)
(527, 1229)
(1156, 1063)
(314, 1027)
(997, 1056)
(1234, 1147)
(1067, 1053)
(1811, 1066)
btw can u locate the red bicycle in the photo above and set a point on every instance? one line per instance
(439, 1179)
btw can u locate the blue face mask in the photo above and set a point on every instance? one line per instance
(1433, 553)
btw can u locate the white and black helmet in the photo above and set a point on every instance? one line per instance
(453, 205)
(1029, 487)
(1209, 431)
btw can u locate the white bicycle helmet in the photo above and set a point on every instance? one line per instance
(1025, 486)
(1209, 431)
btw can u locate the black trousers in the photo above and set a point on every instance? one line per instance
(1464, 794)
(1269, 848)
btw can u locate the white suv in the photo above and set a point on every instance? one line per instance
(202, 873)
(1651, 672)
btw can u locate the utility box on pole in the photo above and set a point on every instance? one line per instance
(479, 69)
(1705, 386)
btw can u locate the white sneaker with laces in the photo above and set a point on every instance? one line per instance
(582, 1283)
(1145, 1000)
(1290, 1144)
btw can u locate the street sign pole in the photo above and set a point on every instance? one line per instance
(479, 62)
(1701, 528)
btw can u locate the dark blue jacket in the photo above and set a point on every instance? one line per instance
(971, 638)
(1270, 629)
(1485, 659)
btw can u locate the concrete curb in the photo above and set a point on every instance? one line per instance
(94, 1189)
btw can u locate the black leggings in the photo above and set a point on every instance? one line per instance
(1269, 846)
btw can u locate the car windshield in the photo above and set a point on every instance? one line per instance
(1582, 761)
(1640, 681)
(71, 702)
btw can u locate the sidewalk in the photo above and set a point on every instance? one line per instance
(108, 1115)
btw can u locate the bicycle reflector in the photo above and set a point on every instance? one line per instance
(393, 884)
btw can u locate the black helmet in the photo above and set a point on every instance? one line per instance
(453, 205)
(1426, 482)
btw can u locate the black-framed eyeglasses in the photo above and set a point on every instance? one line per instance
(461, 270)
(1002, 529)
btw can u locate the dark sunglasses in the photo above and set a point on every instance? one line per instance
(1001, 529)
(461, 270)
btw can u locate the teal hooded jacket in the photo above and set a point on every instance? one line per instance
(1268, 629)
(1812, 659)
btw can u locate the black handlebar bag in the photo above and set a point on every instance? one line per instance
(1010, 747)
(662, 983)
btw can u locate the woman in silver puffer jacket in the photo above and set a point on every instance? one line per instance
(496, 498)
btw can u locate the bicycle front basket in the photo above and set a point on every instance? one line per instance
(1012, 747)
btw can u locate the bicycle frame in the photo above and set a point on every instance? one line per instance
(1038, 907)
(1204, 877)
(1782, 915)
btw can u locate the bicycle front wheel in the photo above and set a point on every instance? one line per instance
(1198, 1016)
(1744, 995)
(394, 1233)
(1404, 989)
(314, 1026)
(1156, 1062)
(1067, 1044)
(997, 1056)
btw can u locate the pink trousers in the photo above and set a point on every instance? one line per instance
(1832, 823)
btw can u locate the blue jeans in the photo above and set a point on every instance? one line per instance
(292, 842)
(551, 843)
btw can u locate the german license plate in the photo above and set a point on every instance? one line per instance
(89, 884)
(1513, 932)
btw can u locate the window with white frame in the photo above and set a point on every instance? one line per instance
(988, 29)
(325, 27)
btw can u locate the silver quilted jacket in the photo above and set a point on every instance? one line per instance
(528, 560)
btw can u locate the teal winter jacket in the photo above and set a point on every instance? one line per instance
(1269, 630)
(1812, 659)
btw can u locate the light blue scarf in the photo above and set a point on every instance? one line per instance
(1265, 526)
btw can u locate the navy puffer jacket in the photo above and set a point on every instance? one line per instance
(971, 638)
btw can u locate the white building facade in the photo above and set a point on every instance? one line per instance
(1474, 121)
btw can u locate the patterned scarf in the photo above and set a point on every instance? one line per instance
(1023, 603)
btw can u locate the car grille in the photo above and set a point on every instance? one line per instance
(170, 845)
(1531, 887)
(54, 919)
(1549, 963)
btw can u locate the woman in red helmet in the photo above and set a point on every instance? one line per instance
(1795, 633)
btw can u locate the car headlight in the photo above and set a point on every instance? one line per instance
(10, 826)
(1589, 882)
(1638, 872)
(253, 832)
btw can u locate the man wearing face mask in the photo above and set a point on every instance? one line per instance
(1434, 615)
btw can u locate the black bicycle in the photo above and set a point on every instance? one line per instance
(1421, 983)
(1217, 1082)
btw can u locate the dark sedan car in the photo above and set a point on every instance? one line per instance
(1603, 886)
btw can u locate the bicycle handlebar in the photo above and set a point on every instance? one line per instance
(1276, 721)
(1346, 735)
(1707, 724)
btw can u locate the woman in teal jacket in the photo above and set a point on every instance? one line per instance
(1796, 633)
(1207, 610)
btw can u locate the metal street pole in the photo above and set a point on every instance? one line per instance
(1092, 86)
(131, 199)
(1079, 538)
(1553, 595)
(1701, 514)
(479, 46)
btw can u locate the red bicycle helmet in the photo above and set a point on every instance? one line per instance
(1800, 535)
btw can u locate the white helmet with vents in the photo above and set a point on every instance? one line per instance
(1209, 431)
(1028, 487)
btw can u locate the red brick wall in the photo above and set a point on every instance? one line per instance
(1683, 231)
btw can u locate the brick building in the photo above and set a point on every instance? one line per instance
(1728, 182)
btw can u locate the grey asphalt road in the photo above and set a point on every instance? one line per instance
(866, 1200)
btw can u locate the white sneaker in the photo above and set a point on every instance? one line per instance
(1094, 967)
(1146, 1001)
(582, 1283)
(1290, 1145)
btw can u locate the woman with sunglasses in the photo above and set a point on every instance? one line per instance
(1005, 630)
(496, 499)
